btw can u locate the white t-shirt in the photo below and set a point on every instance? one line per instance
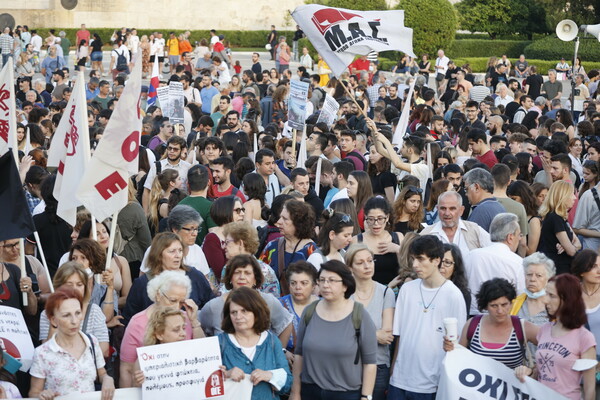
(134, 42)
(195, 258)
(342, 194)
(442, 62)
(417, 368)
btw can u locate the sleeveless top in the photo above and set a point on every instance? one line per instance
(386, 265)
(510, 354)
(593, 324)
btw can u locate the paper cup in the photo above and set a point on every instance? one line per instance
(451, 327)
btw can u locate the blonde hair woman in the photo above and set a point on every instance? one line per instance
(558, 242)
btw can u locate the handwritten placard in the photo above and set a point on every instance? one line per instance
(14, 336)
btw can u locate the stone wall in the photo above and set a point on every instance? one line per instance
(159, 14)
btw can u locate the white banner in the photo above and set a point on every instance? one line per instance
(297, 104)
(8, 112)
(103, 189)
(339, 35)
(70, 152)
(176, 102)
(15, 336)
(468, 376)
(184, 370)
(329, 111)
(398, 138)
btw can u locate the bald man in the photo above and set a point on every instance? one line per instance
(494, 125)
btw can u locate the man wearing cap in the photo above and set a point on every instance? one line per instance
(58, 77)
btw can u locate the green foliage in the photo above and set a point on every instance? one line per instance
(580, 11)
(434, 23)
(552, 48)
(498, 17)
(483, 48)
(363, 5)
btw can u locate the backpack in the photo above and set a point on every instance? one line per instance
(263, 234)
(357, 314)
(516, 323)
(121, 61)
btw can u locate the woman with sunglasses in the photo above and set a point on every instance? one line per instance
(380, 237)
(223, 211)
(408, 210)
(334, 236)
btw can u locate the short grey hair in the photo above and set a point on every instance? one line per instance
(481, 177)
(62, 34)
(182, 215)
(165, 281)
(456, 104)
(540, 258)
(503, 225)
(39, 82)
(451, 193)
(552, 70)
(479, 79)
(420, 81)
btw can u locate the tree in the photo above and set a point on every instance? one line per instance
(580, 11)
(363, 5)
(434, 23)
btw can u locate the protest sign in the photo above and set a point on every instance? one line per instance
(163, 100)
(120, 394)
(339, 35)
(466, 375)
(176, 102)
(329, 110)
(14, 336)
(186, 370)
(297, 104)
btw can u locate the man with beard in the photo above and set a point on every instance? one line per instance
(233, 121)
(494, 125)
(164, 134)
(221, 169)
(393, 99)
(356, 120)
(454, 174)
(452, 229)
(171, 159)
(249, 80)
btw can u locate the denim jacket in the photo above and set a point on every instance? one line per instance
(269, 356)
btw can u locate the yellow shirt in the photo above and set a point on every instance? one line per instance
(322, 65)
(173, 45)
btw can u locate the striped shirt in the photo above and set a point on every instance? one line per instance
(510, 354)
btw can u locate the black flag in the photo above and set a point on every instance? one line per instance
(15, 217)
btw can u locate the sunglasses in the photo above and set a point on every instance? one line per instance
(414, 189)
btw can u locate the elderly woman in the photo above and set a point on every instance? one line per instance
(329, 357)
(185, 222)
(497, 334)
(166, 254)
(73, 275)
(169, 289)
(296, 222)
(244, 270)
(71, 360)
(531, 305)
(242, 238)
(246, 337)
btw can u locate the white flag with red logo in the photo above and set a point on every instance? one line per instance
(70, 152)
(103, 189)
(8, 115)
(339, 35)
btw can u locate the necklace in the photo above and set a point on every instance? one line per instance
(426, 307)
(368, 297)
(589, 294)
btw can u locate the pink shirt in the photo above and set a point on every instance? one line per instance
(555, 358)
(135, 332)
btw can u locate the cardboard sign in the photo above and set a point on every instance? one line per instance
(14, 336)
(297, 104)
(176, 102)
(329, 110)
(182, 370)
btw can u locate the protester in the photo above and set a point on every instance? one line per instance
(334, 236)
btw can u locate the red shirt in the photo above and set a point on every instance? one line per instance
(360, 65)
(82, 35)
(218, 47)
(228, 192)
(488, 159)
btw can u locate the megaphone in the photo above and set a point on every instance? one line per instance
(593, 30)
(566, 30)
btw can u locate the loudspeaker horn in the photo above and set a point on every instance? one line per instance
(593, 30)
(566, 30)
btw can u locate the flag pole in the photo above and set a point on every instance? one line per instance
(318, 176)
(41, 250)
(94, 233)
(23, 269)
(294, 143)
(111, 241)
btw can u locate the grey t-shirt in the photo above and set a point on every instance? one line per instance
(378, 303)
(328, 349)
(552, 89)
(516, 208)
(211, 315)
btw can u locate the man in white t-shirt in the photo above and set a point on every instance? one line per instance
(441, 67)
(134, 42)
(421, 307)
(214, 39)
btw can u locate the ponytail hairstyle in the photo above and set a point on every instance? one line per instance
(159, 186)
(333, 221)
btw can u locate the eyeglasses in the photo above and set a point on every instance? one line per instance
(10, 246)
(239, 210)
(170, 148)
(225, 242)
(378, 220)
(329, 281)
(170, 300)
(191, 230)
(448, 263)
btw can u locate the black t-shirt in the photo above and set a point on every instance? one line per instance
(54, 237)
(10, 294)
(96, 46)
(397, 102)
(451, 73)
(381, 181)
(257, 69)
(553, 224)
(498, 78)
(535, 83)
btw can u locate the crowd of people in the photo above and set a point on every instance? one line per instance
(318, 286)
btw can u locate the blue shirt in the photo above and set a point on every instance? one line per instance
(206, 94)
(89, 95)
(484, 212)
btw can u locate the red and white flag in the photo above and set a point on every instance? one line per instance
(70, 152)
(103, 190)
(339, 35)
(8, 114)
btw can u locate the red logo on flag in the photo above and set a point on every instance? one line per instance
(215, 387)
(323, 19)
(72, 137)
(4, 95)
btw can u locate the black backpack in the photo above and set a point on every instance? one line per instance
(121, 61)
(263, 234)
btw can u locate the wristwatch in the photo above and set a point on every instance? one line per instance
(364, 396)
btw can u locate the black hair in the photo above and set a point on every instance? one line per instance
(262, 153)
(255, 187)
(338, 267)
(428, 245)
(492, 290)
(198, 178)
(221, 210)
(226, 162)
